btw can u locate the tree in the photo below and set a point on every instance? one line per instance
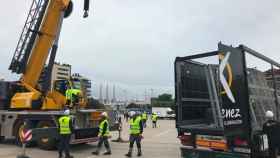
(132, 105)
(165, 97)
(163, 100)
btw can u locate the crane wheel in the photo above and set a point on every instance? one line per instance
(45, 142)
(68, 10)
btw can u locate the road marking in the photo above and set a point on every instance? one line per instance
(163, 133)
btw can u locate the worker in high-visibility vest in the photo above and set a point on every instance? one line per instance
(136, 130)
(271, 129)
(103, 135)
(154, 119)
(144, 118)
(65, 129)
(72, 96)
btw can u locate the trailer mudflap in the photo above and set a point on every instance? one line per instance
(197, 153)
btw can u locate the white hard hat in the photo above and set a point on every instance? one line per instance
(269, 114)
(104, 114)
(67, 112)
(132, 113)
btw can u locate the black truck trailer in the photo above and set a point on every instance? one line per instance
(221, 99)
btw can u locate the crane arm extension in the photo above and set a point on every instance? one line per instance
(44, 41)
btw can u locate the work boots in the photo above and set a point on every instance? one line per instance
(107, 153)
(69, 156)
(129, 154)
(95, 153)
(139, 152)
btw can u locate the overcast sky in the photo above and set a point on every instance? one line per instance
(133, 43)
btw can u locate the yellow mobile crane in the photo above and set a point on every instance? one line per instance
(40, 35)
(26, 101)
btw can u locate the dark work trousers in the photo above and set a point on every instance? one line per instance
(103, 139)
(273, 152)
(135, 138)
(144, 123)
(154, 124)
(64, 145)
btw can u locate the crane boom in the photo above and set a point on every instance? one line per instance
(46, 36)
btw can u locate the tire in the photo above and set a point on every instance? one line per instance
(45, 142)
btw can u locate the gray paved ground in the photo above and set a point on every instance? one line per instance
(157, 143)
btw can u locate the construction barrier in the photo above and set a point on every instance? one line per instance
(26, 136)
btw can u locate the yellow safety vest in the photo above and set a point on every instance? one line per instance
(64, 124)
(101, 128)
(134, 125)
(154, 117)
(144, 116)
(69, 93)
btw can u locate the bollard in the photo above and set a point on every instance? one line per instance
(26, 135)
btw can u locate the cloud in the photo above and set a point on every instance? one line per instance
(134, 42)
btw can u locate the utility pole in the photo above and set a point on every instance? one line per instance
(125, 96)
(107, 94)
(152, 92)
(114, 94)
(145, 95)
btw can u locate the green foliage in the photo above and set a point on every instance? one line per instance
(165, 97)
(163, 100)
(132, 105)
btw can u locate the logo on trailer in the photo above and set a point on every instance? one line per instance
(226, 84)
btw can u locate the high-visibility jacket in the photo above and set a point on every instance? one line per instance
(101, 128)
(135, 125)
(70, 92)
(154, 117)
(144, 116)
(64, 125)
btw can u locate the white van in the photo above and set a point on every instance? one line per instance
(164, 112)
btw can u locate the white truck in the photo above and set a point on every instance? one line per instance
(164, 112)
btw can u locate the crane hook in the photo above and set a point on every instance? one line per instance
(86, 8)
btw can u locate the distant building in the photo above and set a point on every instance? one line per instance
(268, 77)
(114, 99)
(86, 82)
(101, 94)
(59, 72)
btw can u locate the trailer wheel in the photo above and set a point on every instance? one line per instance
(46, 142)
